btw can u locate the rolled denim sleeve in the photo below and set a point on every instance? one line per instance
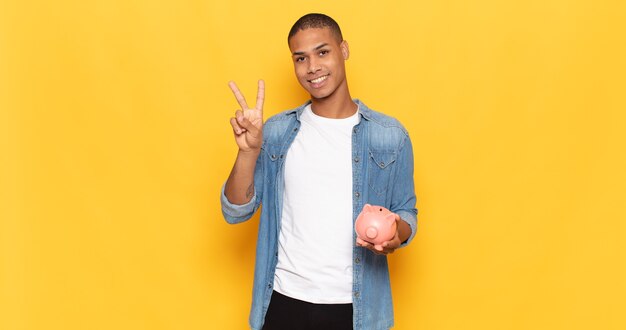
(403, 193)
(234, 213)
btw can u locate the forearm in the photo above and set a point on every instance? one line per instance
(239, 187)
(404, 231)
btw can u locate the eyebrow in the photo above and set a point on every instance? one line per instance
(316, 48)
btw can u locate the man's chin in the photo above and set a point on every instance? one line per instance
(318, 95)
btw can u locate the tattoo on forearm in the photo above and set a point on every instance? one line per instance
(250, 191)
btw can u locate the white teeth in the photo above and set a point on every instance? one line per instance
(319, 80)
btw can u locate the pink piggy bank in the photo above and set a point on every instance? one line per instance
(375, 224)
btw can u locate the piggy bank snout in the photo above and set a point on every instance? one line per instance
(371, 232)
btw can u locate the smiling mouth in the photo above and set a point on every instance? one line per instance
(318, 80)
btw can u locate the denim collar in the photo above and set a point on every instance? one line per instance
(364, 111)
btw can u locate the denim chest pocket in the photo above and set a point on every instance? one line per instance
(273, 158)
(380, 167)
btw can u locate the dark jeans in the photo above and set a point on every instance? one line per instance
(293, 314)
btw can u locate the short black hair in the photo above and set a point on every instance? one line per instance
(315, 21)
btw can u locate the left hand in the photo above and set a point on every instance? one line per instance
(386, 247)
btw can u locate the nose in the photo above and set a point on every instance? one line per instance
(313, 65)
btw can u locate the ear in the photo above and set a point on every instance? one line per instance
(367, 208)
(345, 50)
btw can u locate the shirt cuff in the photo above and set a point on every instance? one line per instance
(411, 220)
(234, 213)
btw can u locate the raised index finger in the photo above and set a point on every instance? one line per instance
(240, 99)
(260, 95)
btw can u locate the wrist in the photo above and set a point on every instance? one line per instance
(250, 153)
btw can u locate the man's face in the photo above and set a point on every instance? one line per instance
(318, 59)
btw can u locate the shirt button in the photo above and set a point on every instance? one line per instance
(357, 260)
(355, 130)
(356, 160)
(269, 286)
(356, 294)
(357, 194)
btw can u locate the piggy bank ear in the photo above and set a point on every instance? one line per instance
(368, 208)
(391, 217)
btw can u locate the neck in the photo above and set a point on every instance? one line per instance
(339, 105)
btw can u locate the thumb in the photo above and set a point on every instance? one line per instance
(245, 123)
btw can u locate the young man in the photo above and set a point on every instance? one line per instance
(313, 168)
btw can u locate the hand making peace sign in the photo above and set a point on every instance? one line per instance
(248, 122)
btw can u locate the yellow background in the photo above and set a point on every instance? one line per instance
(114, 142)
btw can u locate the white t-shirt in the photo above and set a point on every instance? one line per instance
(316, 236)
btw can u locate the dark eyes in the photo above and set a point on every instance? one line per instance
(302, 58)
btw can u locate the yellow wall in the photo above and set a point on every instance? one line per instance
(114, 142)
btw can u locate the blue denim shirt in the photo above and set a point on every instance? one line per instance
(382, 174)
